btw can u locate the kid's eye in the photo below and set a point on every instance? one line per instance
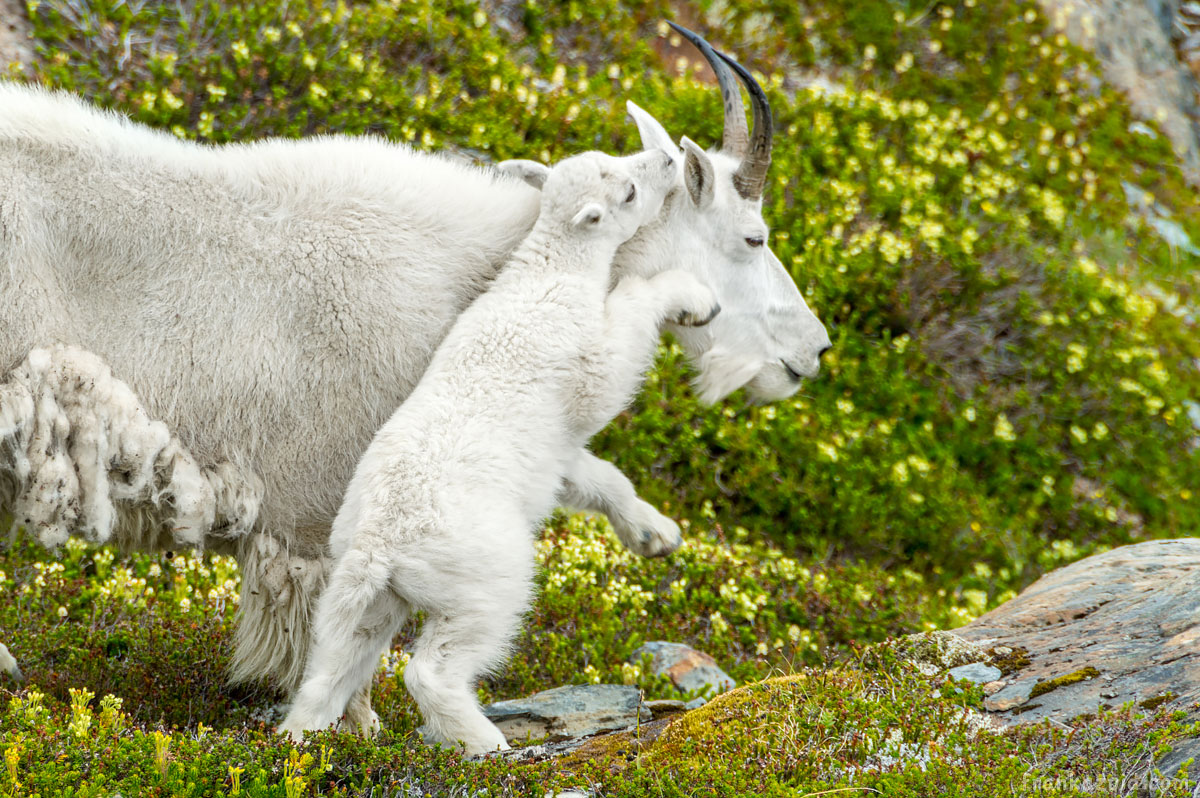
(754, 241)
(632, 193)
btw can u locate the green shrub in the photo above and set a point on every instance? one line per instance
(1014, 354)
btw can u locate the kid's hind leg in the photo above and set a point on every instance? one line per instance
(357, 618)
(455, 648)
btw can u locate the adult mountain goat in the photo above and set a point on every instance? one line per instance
(272, 303)
(441, 513)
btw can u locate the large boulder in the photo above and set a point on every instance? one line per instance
(1132, 40)
(1122, 626)
(1119, 627)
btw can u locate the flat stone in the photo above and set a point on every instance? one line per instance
(690, 670)
(567, 712)
(1132, 614)
(625, 744)
(976, 672)
(1009, 697)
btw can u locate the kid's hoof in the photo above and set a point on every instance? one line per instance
(688, 319)
(655, 545)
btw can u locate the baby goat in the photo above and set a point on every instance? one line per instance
(441, 514)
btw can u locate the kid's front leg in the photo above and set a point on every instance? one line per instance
(633, 315)
(598, 485)
(637, 307)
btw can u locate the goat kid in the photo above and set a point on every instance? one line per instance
(441, 513)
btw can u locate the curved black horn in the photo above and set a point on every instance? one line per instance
(751, 175)
(736, 138)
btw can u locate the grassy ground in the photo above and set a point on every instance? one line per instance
(1008, 392)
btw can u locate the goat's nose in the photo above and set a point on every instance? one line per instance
(824, 350)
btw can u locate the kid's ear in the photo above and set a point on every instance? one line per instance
(531, 172)
(591, 214)
(654, 135)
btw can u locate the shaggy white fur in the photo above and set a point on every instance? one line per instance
(78, 451)
(9, 665)
(441, 513)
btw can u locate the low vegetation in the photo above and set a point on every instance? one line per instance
(1012, 387)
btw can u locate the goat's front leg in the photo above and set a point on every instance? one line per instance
(598, 485)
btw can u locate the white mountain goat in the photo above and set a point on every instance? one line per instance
(272, 304)
(441, 514)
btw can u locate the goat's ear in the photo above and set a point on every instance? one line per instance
(589, 215)
(654, 135)
(697, 173)
(531, 172)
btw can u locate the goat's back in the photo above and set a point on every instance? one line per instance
(272, 302)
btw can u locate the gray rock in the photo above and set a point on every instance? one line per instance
(1158, 217)
(1009, 697)
(566, 712)
(689, 669)
(16, 43)
(1173, 234)
(977, 672)
(695, 703)
(1132, 614)
(935, 652)
(1193, 412)
(1143, 129)
(1136, 56)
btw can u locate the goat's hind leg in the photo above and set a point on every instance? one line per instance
(452, 652)
(357, 618)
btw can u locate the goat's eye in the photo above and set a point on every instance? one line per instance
(754, 241)
(632, 193)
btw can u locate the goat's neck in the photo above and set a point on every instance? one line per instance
(547, 251)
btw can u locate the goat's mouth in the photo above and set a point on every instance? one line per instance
(795, 375)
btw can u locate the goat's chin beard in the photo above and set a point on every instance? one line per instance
(722, 372)
(771, 384)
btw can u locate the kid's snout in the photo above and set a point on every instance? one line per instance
(660, 169)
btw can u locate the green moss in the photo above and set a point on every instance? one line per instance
(1011, 661)
(1157, 701)
(1043, 687)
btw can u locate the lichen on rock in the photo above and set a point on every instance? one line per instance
(934, 652)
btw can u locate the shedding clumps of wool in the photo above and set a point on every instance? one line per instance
(80, 456)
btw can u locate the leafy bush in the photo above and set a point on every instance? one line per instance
(1015, 354)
